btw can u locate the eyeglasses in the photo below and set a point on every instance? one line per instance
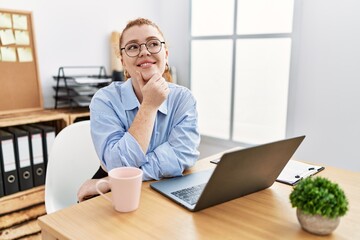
(133, 49)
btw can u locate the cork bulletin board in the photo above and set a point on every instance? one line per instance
(20, 88)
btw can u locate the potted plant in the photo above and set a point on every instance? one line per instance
(320, 203)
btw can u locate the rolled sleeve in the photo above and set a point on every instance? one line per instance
(168, 165)
(125, 152)
(162, 162)
(179, 152)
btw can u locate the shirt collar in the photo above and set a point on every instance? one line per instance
(163, 107)
(130, 100)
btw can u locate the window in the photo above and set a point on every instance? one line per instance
(240, 61)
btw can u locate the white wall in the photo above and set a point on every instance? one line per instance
(77, 32)
(324, 97)
(324, 94)
(175, 23)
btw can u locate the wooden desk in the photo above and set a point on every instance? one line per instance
(263, 215)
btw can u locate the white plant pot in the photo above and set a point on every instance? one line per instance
(317, 224)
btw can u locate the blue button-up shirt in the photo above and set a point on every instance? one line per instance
(174, 141)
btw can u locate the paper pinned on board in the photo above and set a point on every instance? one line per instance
(5, 20)
(22, 37)
(20, 21)
(8, 54)
(7, 37)
(25, 54)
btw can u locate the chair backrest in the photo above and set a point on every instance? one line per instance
(72, 160)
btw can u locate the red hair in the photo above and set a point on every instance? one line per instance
(141, 22)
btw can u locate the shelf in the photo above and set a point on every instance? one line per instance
(22, 200)
(19, 211)
(13, 119)
(74, 114)
(75, 86)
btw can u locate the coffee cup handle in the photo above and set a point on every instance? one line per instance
(98, 189)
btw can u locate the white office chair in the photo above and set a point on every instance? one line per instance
(72, 160)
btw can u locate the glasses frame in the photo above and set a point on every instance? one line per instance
(145, 44)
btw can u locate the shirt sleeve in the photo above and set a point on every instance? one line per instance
(116, 147)
(180, 151)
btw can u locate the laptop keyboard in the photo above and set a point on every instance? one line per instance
(191, 194)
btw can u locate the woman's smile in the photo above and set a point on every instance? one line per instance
(146, 64)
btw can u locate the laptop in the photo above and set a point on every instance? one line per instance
(237, 174)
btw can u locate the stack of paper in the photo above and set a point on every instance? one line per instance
(87, 80)
(294, 171)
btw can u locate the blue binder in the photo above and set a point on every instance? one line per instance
(22, 157)
(8, 163)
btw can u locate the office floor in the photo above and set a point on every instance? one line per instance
(209, 146)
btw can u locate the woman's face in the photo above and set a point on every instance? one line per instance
(146, 63)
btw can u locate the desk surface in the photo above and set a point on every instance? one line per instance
(263, 215)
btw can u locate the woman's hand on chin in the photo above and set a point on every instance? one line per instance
(154, 91)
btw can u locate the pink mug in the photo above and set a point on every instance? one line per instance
(125, 184)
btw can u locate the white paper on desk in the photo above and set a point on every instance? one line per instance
(22, 37)
(83, 80)
(5, 20)
(294, 171)
(7, 37)
(20, 21)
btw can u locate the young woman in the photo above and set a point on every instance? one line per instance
(146, 122)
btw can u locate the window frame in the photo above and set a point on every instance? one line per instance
(234, 37)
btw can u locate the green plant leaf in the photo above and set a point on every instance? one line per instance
(318, 195)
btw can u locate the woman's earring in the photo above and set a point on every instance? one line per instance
(126, 74)
(167, 68)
